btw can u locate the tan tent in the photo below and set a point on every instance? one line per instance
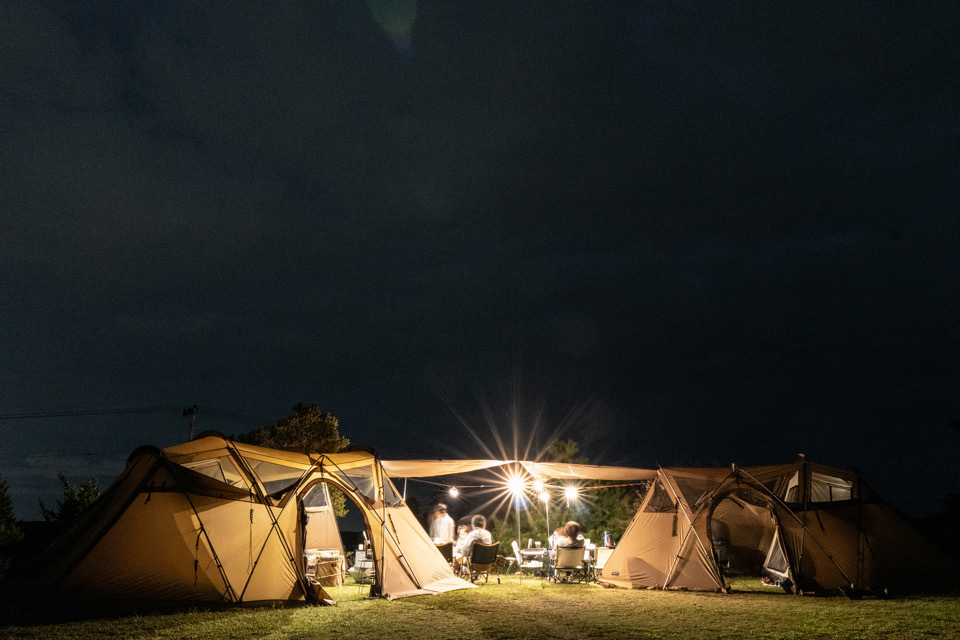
(807, 527)
(218, 521)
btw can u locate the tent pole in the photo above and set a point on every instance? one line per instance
(383, 527)
(547, 503)
(516, 507)
(516, 500)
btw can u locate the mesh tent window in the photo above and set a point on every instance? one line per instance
(362, 479)
(222, 469)
(826, 488)
(275, 478)
(661, 501)
(694, 490)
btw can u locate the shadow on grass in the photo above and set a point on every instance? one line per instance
(23, 603)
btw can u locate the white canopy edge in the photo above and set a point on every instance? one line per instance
(431, 468)
(565, 471)
(556, 470)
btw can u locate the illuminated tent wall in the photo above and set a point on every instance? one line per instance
(218, 521)
(813, 528)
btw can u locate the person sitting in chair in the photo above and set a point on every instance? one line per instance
(462, 531)
(478, 534)
(570, 536)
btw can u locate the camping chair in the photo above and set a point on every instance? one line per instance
(518, 557)
(446, 550)
(602, 554)
(569, 565)
(483, 560)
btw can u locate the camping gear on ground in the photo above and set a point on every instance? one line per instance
(326, 566)
(362, 569)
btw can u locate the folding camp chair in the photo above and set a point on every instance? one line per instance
(483, 560)
(446, 550)
(514, 560)
(517, 557)
(602, 554)
(569, 566)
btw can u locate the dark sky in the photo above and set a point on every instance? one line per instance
(680, 233)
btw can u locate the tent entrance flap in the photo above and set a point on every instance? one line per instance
(775, 564)
(742, 531)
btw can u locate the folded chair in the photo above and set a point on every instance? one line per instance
(483, 560)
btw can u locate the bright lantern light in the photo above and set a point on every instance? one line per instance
(571, 493)
(544, 496)
(516, 485)
(454, 492)
(538, 486)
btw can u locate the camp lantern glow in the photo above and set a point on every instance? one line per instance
(516, 484)
(454, 492)
(571, 493)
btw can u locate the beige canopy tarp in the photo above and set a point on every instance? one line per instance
(556, 470)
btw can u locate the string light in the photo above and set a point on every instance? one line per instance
(571, 493)
(454, 492)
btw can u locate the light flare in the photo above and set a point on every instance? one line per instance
(517, 484)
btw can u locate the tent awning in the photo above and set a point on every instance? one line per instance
(556, 470)
(587, 471)
(431, 468)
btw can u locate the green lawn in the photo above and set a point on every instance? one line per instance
(532, 608)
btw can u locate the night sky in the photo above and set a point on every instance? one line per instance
(679, 233)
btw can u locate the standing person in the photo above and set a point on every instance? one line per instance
(441, 529)
(478, 534)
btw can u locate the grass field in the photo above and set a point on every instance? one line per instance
(531, 608)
